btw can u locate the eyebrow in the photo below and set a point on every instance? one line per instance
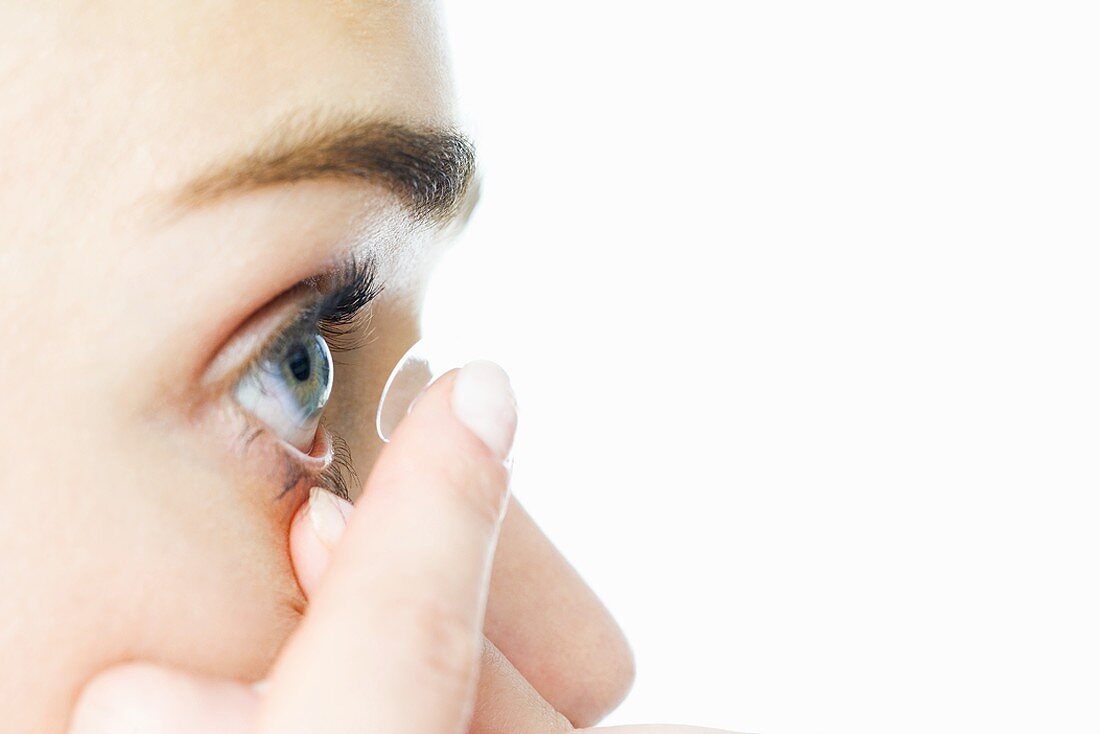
(430, 170)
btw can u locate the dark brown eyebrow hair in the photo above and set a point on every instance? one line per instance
(430, 170)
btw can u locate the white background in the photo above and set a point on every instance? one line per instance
(801, 303)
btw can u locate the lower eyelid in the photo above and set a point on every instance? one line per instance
(320, 454)
(336, 476)
(262, 455)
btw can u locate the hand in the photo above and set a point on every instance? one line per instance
(392, 639)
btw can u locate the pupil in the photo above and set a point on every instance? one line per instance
(299, 363)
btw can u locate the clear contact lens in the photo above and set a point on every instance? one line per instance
(418, 368)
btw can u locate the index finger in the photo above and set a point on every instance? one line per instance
(392, 638)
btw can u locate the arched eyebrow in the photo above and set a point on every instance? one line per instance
(430, 170)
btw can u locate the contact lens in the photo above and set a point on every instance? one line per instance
(417, 368)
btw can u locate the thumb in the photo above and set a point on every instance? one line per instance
(138, 698)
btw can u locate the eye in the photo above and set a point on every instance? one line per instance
(286, 383)
(286, 388)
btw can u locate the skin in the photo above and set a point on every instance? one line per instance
(138, 524)
(435, 498)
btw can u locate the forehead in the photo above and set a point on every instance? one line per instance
(145, 94)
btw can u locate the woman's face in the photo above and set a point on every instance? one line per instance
(184, 188)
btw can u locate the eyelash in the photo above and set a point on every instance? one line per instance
(349, 292)
(343, 297)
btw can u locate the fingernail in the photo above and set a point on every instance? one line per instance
(482, 399)
(329, 515)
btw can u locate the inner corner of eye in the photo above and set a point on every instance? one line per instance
(287, 386)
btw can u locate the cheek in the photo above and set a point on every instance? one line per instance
(219, 593)
(143, 551)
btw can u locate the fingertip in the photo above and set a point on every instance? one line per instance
(141, 697)
(315, 531)
(482, 399)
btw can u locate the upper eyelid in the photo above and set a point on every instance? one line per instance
(329, 302)
(311, 317)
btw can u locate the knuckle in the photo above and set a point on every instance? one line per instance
(120, 700)
(617, 678)
(609, 677)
